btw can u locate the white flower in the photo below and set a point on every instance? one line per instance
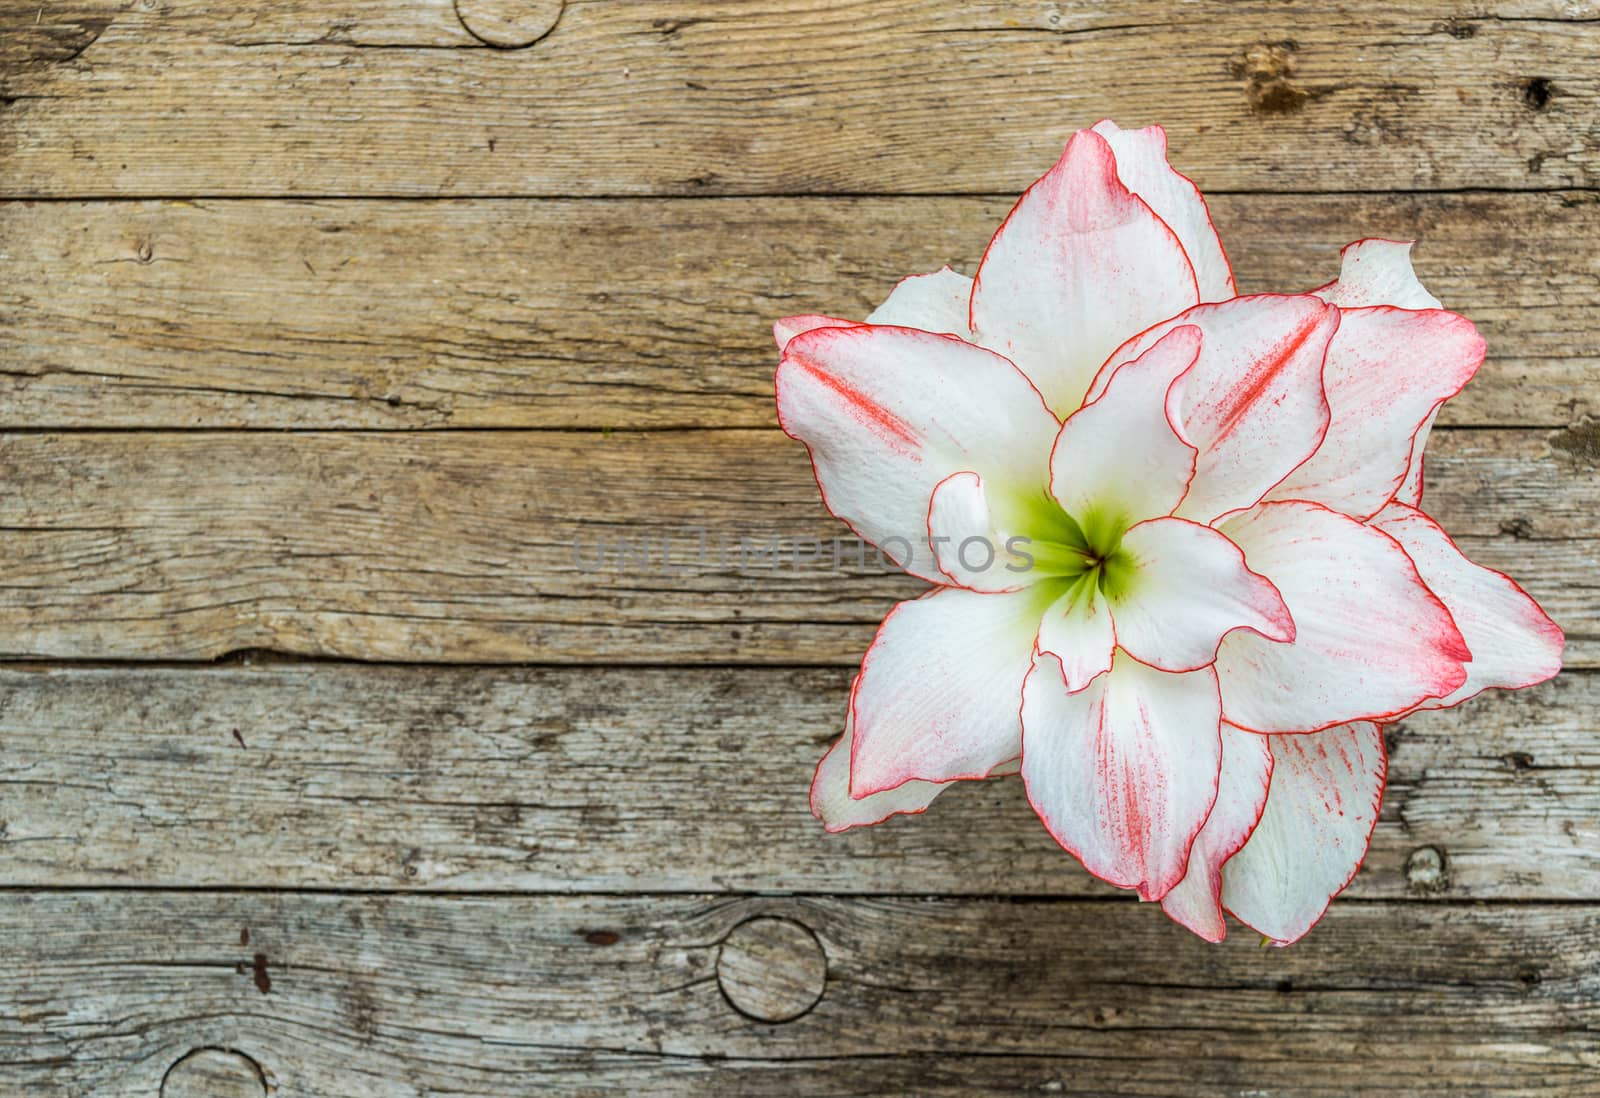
(1182, 571)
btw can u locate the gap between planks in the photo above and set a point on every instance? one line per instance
(111, 198)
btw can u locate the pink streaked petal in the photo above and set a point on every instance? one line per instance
(790, 326)
(1079, 265)
(1514, 643)
(832, 804)
(1321, 807)
(1123, 773)
(1253, 404)
(1119, 458)
(937, 302)
(887, 413)
(1410, 490)
(1143, 168)
(1196, 901)
(1077, 630)
(1371, 640)
(940, 689)
(1188, 589)
(1377, 272)
(1387, 373)
(971, 545)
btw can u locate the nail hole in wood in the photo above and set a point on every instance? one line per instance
(1536, 92)
(214, 1073)
(772, 970)
(509, 24)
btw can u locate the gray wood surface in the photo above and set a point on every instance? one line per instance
(653, 779)
(326, 328)
(385, 97)
(465, 995)
(485, 546)
(643, 313)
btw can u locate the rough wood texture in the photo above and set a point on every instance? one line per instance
(401, 996)
(504, 269)
(653, 779)
(803, 96)
(641, 313)
(485, 546)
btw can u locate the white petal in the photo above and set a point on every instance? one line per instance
(1143, 168)
(974, 548)
(1119, 460)
(888, 413)
(1321, 808)
(1513, 642)
(1196, 901)
(1077, 630)
(790, 326)
(936, 302)
(1410, 490)
(1080, 265)
(1252, 404)
(832, 804)
(1377, 272)
(1387, 373)
(1123, 773)
(1188, 588)
(1370, 641)
(940, 688)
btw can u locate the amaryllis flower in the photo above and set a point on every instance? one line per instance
(1183, 574)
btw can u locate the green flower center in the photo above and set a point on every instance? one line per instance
(1080, 553)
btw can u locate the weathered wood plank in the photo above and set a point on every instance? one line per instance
(486, 546)
(640, 313)
(352, 777)
(725, 97)
(338, 995)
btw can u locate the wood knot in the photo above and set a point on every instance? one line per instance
(772, 970)
(1267, 69)
(1581, 442)
(1426, 870)
(509, 24)
(214, 1073)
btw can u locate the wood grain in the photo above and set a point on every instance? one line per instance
(551, 780)
(486, 546)
(800, 96)
(586, 995)
(329, 328)
(641, 313)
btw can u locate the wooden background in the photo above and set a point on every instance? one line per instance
(325, 328)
